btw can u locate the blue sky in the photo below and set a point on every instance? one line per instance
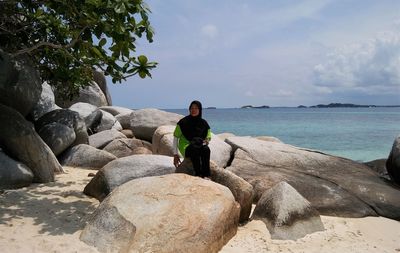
(268, 52)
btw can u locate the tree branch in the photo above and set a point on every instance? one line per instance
(49, 44)
(4, 29)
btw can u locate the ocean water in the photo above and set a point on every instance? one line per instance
(361, 134)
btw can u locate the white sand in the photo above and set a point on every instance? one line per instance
(46, 217)
(50, 217)
(341, 235)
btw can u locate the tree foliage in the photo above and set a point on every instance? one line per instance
(67, 39)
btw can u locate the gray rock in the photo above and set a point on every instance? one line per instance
(335, 186)
(100, 79)
(116, 110)
(91, 94)
(268, 138)
(125, 169)
(126, 147)
(108, 121)
(89, 113)
(46, 102)
(379, 166)
(141, 151)
(393, 161)
(128, 133)
(171, 213)
(86, 156)
(325, 196)
(13, 174)
(108, 230)
(20, 84)
(224, 136)
(162, 141)
(101, 139)
(124, 120)
(241, 190)
(19, 139)
(144, 122)
(220, 151)
(68, 118)
(287, 214)
(57, 136)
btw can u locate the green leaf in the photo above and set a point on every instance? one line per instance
(105, 31)
(142, 73)
(120, 8)
(97, 52)
(142, 60)
(102, 42)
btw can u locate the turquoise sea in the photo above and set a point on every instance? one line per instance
(361, 134)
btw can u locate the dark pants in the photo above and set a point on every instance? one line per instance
(200, 157)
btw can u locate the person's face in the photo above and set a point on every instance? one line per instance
(194, 110)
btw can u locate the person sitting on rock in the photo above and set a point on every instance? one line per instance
(191, 136)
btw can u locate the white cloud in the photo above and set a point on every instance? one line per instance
(372, 66)
(210, 31)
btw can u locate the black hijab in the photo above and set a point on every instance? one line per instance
(192, 127)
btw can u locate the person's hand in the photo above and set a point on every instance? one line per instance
(206, 142)
(177, 161)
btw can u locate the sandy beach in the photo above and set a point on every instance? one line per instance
(50, 218)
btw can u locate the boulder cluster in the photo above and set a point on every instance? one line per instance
(148, 205)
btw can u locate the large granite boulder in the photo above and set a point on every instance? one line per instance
(125, 169)
(241, 190)
(128, 133)
(126, 147)
(163, 214)
(89, 113)
(100, 80)
(334, 186)
(101, 139)
(220, 151)
(108, 121)
(162, 141)
(108, 230)
(124, 120)
(86, 156)
(57, 136)
(68, 118)
(20, 84)
(13, 174)
(46, 102)
(268, 138)
(287, 214)
(224, 136)
(91, 94)
(379, 166)
(144, 122)
(20, 140)
(116, 110)
(393, 161)
(142, 151)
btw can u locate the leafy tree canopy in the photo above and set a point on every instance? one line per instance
(67, 39)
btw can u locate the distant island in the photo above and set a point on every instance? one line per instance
(255, 107)
(211, 107)
(346, 105)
